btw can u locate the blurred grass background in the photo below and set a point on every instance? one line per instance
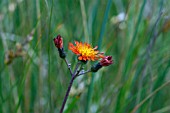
(33, 79)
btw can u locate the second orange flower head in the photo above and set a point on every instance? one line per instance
(85, 51)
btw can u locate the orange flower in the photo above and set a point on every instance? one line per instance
(85, 51)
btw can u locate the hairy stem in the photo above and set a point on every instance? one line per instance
(77, 66)
(67, 93)
(82, 73)
(68, 65)
(74, 75)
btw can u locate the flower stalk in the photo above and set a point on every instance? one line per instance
(67, 93)
(82, 73)
(68, 66)
(69, 87)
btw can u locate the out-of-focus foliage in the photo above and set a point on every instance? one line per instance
(33, 78)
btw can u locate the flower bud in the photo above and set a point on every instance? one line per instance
(58, 41)
(106, 61)
(96, 67)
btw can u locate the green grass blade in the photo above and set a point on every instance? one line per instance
(90, 89)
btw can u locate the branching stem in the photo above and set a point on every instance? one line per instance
(74, 75)
(85, 72)
(67, 93)
(68, 65)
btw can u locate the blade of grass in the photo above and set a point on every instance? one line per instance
(154, 35)
(163, 110)
(128, 62)
(9, 67)
(109, 3)
(90, 89)
(49, 58)
(40, 55)
(26, 69)
(149, 96)
(91, 20)
(1, 96)
(84, 17)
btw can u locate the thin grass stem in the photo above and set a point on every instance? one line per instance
(149, 96)
(49, 57)
(90, 89)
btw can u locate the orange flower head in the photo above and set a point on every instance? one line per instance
(85, 51)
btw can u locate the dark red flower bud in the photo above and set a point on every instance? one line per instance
(58, 41)
(106, 61)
